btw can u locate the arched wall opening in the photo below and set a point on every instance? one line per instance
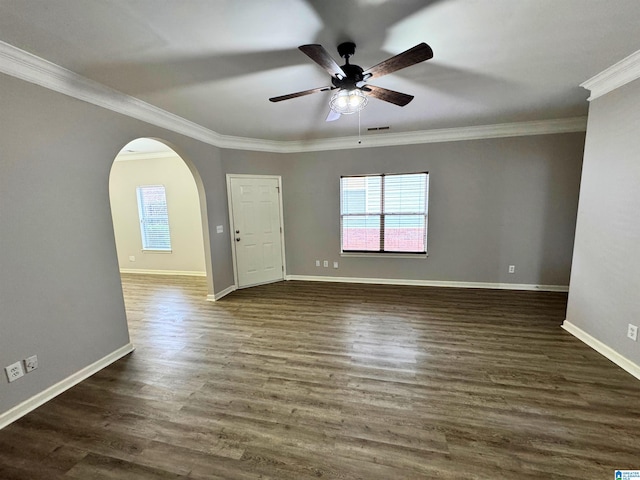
(145, 170)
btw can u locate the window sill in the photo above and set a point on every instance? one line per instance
(151, 250)
(384, 255)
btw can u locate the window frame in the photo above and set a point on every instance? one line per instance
(143, 218)
(383, 215)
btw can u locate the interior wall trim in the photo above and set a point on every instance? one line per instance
(36, 70)
(53, 391)
(432, 283)
(478, 132)
(186, 273)
(623, 72)
(223, 293)
(603, 349)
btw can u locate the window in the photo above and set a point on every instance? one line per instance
(384, 213)
(154, 220)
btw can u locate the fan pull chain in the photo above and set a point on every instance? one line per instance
(359, 134)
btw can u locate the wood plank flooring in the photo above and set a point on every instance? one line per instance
(303, 380)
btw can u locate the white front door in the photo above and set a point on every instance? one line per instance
(257, 229)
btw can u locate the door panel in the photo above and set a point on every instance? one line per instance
(255, 206)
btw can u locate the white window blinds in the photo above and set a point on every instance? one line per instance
(384, 213)
(154, 219)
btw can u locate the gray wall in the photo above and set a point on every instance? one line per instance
(60, 292)
(605, 283)
(493, 203)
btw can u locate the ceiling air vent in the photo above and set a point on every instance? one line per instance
(375, 129)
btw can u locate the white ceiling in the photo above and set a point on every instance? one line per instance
(142, 146)
(216, 62)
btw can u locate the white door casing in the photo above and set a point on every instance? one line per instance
(256, 227)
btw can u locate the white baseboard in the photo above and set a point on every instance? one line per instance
(601, 348)
(163, 272)
(432, 283)
(53, 391)
(217, 296)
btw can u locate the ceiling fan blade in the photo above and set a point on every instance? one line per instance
(318, 54)
(333, 115)
(397, 98)
(417, 54)
(300, 94)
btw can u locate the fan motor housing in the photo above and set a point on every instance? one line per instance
(354, 75)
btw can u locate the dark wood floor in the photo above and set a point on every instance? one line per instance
(310, 380)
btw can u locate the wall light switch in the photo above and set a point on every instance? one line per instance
(335, 264)
(31, 363)
(219, 229)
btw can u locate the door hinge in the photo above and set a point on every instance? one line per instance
(278, 188)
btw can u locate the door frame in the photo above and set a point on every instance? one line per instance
(231, 222)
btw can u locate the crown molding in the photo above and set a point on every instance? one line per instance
(623, 72)
(518, 129)
(36, 70)
(254, 144)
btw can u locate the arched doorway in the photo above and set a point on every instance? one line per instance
(159, 213)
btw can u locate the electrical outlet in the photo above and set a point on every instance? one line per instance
(132, 258)
(325, 264)
(31, 363)
(632, 332)
(512, 269)
(317, 263)
(14, 371)
(335, 264)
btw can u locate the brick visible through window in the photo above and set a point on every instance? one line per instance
(384, 213)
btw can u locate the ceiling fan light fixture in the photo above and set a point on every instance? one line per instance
(346, 102)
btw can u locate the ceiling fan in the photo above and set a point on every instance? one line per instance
(350, 80)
